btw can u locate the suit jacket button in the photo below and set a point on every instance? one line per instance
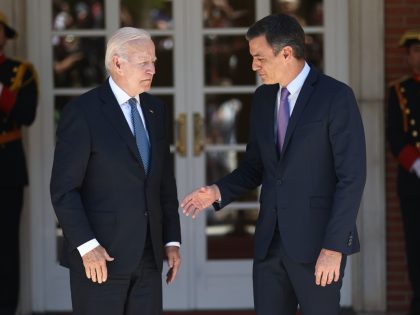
(146, 213)
(279, 182)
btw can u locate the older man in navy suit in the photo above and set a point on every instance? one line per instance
(307, 150)
(113, 188)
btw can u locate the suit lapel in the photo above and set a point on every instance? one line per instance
(270, 121)
(115, 116)
(301, 102)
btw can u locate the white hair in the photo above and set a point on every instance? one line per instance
(117, 44)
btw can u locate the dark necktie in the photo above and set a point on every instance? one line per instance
(283, 115)
(140, 134)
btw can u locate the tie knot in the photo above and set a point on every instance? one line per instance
(284, 94)
(133, 102)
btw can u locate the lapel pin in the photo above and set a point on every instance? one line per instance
(151, 110)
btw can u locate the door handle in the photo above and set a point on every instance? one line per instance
(181, 128)
(198, 134)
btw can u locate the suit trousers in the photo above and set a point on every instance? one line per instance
(410, 209)
(11, 208)
(137, 293)
(281, 284)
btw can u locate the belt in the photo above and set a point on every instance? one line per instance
(9, 136)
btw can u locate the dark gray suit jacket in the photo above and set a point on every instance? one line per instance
(314, 188)
(99, 188)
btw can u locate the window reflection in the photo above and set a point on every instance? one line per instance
(78, 61)
(148, 14)
(76, 14)
(307, 12)
(168, 100)
(221, 163)
(230, 232)
(59, 103)
(227, 61)
(314, 50)
(164, 75)
(228, 13)
(227, 118)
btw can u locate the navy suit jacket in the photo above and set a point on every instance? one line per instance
(99, 188)
(314, 188)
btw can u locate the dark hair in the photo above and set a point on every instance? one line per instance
(280, 30)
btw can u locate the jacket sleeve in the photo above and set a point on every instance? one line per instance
(348, 147)
(168, 196)
(71, 159)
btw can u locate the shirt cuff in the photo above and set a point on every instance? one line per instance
(177, 244)
(88, 246)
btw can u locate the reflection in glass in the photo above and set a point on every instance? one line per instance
(228, 13)
(230, 233)
(59, 103)
(307, 12)
(78, 61)
(227, 118)
(77, 14)
(227, 61)
(221, 163)
(164, 75)
(314, 50)
(147, 14)
(168, 100)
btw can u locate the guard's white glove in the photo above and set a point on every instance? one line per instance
(416, 167)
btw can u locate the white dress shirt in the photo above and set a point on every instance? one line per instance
(122, 99)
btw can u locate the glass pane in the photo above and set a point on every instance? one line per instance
(315, 50)
(228, 13)
(307, 12)
(59, 103)
(164, 75)
(230, 233)
(78, 61)
(168, 100)
(148, 14)
(227, 61)
(221, 163)
(227, 118)
(76, 14)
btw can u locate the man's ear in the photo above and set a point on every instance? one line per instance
(116, 63)
(287, 52)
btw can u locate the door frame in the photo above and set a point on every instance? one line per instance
(366, 296)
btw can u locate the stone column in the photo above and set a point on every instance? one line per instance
(367, 79)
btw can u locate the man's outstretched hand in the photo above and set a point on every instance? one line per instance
(199, 200)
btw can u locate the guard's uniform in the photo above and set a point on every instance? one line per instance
(404, 138)
(18, 101)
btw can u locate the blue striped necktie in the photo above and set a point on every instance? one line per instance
(140, 134)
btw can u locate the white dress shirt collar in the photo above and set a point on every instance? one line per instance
(297, 83)
(121, 96)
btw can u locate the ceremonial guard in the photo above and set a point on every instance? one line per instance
(18, 101)
(404, 138)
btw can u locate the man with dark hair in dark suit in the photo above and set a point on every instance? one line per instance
(113, 187)
(18, 102)
(404, 138)
(307, 149)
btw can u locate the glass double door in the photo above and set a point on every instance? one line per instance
(204, 76)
